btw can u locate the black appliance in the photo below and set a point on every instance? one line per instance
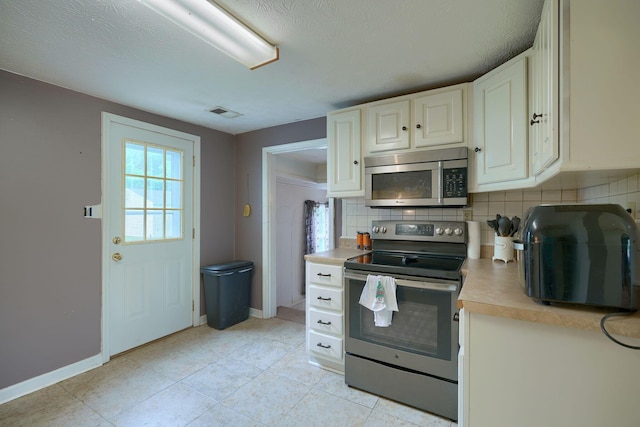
(580, 254)
(414, 360)
(429, 178)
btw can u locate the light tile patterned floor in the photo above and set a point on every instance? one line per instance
(252, 374)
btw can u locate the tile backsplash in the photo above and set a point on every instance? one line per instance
(356, 217)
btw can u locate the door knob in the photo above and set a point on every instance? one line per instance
(117, 240)
(116, 257)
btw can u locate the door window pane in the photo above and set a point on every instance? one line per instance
(174, 224)
(155, 161)
(153, 203)
(134, 164)
(134, 226)
(134, 192)
(174, 194)
(174, 164)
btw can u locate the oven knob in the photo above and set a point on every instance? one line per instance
(458, 231)
(383, 230)
(448, 231)
(439, 231)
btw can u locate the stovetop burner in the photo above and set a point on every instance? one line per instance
(414, 248)
(407, 264)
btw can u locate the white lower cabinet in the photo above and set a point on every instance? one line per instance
(325, 316)
(529, 374)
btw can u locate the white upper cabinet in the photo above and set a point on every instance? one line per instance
(434, 118)
(344, 156)
(388, 125)
(500, 123)
(438, 118)
(544, 109)
(589, 59)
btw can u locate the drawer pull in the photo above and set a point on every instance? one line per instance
(324, 299)
(323, 346)
(324, 275)
(323, 323)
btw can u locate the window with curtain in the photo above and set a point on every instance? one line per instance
(316, 226)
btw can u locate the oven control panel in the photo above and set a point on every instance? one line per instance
(428, 231)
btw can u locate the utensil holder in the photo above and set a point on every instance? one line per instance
(503, 248)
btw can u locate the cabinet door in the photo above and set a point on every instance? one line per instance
(500, 128)
(544, 91)
(388, 126)
(344, 168)
(438, 119)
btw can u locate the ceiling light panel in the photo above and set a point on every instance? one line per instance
(212, 24)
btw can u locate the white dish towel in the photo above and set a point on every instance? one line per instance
(379, 296)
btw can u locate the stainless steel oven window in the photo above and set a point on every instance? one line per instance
(422, 324)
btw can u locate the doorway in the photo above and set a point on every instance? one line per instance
(150, 247)
(270, 218)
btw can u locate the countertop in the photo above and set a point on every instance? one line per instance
(334, 256)
(492, 288)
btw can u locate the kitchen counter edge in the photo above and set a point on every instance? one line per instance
(492, 288)
(334, 256)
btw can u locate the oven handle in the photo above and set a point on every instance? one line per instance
(443, 287)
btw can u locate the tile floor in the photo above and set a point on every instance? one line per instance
(254, 373)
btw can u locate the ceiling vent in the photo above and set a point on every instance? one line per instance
(224, 112)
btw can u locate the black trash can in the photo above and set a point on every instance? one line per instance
(227, 292)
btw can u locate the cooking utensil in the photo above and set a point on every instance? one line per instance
(493, 224)
(515, 224)
(504, 226)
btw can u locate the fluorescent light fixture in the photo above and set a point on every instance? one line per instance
(211, 23)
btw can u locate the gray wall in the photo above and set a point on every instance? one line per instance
(50, 266)
(249, 161)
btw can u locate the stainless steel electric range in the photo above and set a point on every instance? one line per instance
(414, 360)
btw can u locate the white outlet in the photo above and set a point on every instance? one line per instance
(467, 214)
(631, 208)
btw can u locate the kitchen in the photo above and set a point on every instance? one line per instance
(81, 158)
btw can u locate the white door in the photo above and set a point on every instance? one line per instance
(148, 214)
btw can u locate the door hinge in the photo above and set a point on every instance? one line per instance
(193, 233)
(194, 161)
(193, 305)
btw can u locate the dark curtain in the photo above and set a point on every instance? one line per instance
(309, 229)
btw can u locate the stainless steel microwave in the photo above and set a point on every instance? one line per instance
(430, 178)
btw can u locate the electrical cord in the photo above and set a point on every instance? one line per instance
(604, 330)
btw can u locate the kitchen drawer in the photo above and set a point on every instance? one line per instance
(325, 274)
(326, 298)
(326, 346)
(325, 321)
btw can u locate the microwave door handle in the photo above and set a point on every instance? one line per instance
(439, 182)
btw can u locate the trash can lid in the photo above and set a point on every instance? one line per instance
(225, 266)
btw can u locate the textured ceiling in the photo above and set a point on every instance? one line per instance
(333, 53)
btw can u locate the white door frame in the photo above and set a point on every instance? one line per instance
(269, 302)
(107, 119)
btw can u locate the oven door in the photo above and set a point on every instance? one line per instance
(416, 184)
(423, 335)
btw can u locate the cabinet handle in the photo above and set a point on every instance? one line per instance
(418, 126)
(533, 120)
(323, 323)
(324, 275)
(323, 346)
(324, 299)
(355, 162)
(478, 149)
(404, 128)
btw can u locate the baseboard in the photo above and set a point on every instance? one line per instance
(50, 378)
